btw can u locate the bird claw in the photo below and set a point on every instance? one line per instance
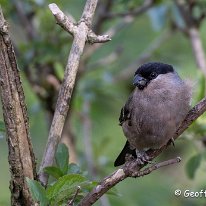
(142, 158)
(129, 157)
(171, 141)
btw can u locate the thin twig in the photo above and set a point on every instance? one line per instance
(71, 202)
(28, 26)
(126, 19)
(135, 12)
(156, 166)
(191, 28)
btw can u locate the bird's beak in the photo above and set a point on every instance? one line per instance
(139, 81)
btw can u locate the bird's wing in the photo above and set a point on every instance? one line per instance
(125, 113)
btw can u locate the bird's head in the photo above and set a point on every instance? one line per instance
(150, 71)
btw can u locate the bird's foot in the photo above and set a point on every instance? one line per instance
(129, 157)
(142, 157)
(171, 141)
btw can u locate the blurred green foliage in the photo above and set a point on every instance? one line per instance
(99, 86)
(68, 179)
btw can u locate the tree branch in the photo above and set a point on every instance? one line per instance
(21, 156)
(191, 29)
(81, 33)
(71, 202)
(62, 19)
(132, 169)
(139, 10)
(154, 167)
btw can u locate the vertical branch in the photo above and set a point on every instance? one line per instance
(192, 25)
(63, 102)
(21, 157)
(197, 48)
(82, 33)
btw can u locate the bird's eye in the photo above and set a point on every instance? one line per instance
(153, 75)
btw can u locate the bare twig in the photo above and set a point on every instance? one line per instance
(30, 31)
(81, 33)
(71, 202)
(132, 169)
(126, 19)
(111, 32)
(154, 167)
(191, 28)
(62, 19)
(104, 6)
(197, 47)
(21, 156)
(135, 12)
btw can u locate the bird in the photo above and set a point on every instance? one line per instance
(153, 112)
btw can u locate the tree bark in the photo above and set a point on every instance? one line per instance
(21, 157)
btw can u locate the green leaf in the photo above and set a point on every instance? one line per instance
(66, 187)
(54, 172)
(62, 157)
(73, 169)
(192, 165)
(37, 191)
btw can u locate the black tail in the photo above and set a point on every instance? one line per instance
(126, 150)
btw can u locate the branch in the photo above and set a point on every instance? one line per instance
(193, 33)
(93, 38)
(154, 167)
(71, 202)
(21, 157)
(198, 50)
(139, 10)
(111, 32)
(30, 31)
(81, 33)
(128, 18)
(67, 25)
(63, 21)
(132, 169)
